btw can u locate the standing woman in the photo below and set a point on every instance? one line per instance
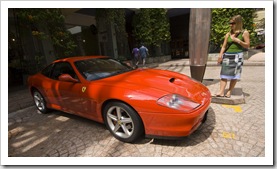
(231, 55)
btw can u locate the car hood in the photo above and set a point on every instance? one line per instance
(159, 82)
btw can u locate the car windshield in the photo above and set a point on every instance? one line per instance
(99, 68)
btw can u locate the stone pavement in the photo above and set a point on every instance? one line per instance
(230, 130)
(19, 98)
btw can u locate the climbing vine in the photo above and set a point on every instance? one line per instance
(116, 18)
(48, 24)
(220, 26)
(151, 26)
(112, 15)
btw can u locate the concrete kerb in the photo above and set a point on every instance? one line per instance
(209, 63)
(236, 98)
(251, 59)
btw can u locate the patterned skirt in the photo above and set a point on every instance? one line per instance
(231, 67)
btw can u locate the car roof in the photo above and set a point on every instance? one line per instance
(77, 58)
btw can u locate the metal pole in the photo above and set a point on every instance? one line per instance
(199, 36)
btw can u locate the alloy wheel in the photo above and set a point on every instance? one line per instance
(39, 102)
(120, 122)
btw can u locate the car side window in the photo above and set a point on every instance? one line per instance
(47, 71)
(62, 68)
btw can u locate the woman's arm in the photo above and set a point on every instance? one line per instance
(246, 42)
(223, 48)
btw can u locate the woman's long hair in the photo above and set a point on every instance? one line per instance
(239, 25)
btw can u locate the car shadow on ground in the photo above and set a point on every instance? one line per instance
(61, 134)
(200, 135)
(53, 134)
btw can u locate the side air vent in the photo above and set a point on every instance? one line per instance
(172, 79)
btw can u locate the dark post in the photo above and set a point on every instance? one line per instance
(199, 35)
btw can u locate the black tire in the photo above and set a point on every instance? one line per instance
(40, 102)
(123, 122)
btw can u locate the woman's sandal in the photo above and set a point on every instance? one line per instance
(217, 95)
(227, 96)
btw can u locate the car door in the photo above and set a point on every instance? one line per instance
(67, 93)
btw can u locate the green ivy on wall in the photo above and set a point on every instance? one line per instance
(220, 24)
(112, 15)
(48, 24)
(151, 26)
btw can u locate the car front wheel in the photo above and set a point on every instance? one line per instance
(40, 102)
(123, 122)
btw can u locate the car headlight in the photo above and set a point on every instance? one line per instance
(178, 102)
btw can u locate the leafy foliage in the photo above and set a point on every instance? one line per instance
(220, 26)
(151, 26)
(116, 17)
(112, 15)
(48, 24)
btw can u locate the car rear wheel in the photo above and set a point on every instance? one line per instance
(39, 101)
(123, 122)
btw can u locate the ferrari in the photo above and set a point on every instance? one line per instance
(131, 102)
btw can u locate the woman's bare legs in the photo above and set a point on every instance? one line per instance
(223, 83)
(232, 85)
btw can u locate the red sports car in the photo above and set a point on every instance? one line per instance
(131, 102)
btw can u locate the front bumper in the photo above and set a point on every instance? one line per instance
(173, 125)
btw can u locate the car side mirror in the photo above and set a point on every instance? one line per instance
(67, 78)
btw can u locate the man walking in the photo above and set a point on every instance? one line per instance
(143, 51)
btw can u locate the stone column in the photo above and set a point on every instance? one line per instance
(199, 36)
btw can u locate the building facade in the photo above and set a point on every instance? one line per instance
(28, 54)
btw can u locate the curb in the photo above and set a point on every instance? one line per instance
(236, 98)
(209, 64)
